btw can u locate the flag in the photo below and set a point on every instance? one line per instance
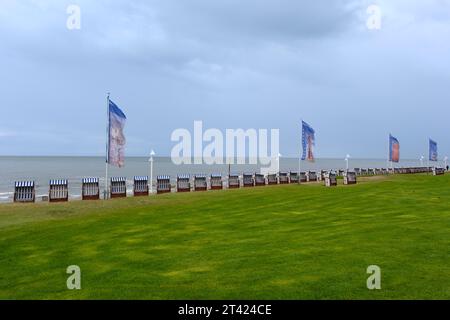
(116, 137)
(308, 142)
(394, 149)
(433, 154)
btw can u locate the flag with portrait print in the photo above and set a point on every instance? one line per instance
(308, 142)
(116, 136)
(433, 151)
(394, 149)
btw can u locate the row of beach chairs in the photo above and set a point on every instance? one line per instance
(59, 189)
(24, 191)
(372, 171)
(406, 170)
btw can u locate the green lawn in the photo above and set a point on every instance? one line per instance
(278, 242)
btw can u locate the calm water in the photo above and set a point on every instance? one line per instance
(42, 169)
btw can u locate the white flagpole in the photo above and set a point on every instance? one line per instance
(107, 147)
(388, 154)
(299, 164)
(300, 155)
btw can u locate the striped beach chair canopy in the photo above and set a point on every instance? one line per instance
(247, 174)
(216, 175)
(234, 175)
(90, 180)
(59, 182)
(163, 177)
(140, 178)
(24, 184)
(200, 176)
(283, 173)
(184, 176)
(118, 179)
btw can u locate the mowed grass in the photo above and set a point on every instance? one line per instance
(277, 242)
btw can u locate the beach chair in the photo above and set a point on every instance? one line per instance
(90, 189)
(163, 184)
(330, 179)
(24, 191)
(303, 177)
(283, 178)
(200, 182)
(233, 181)
(272, 179)
(58, 191)
(260, 179)
(311, 176)
(216, 181)
(349, 177)
(118, 187)
(140, 186)
(183, 183)
(293, 177)
(247, 180)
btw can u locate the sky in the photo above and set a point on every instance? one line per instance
(262, 64)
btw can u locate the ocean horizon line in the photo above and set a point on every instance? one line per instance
(168, 156)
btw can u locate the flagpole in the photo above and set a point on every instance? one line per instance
(107, 148)
(300, 154)
(389, 154)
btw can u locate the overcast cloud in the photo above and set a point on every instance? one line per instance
(232, 64)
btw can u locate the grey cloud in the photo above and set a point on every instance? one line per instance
(261, 64)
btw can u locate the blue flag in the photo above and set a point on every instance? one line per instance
(433, 154)
(308, 142)
(394, 149)
(116, 137)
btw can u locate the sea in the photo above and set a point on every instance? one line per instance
(74, 169)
